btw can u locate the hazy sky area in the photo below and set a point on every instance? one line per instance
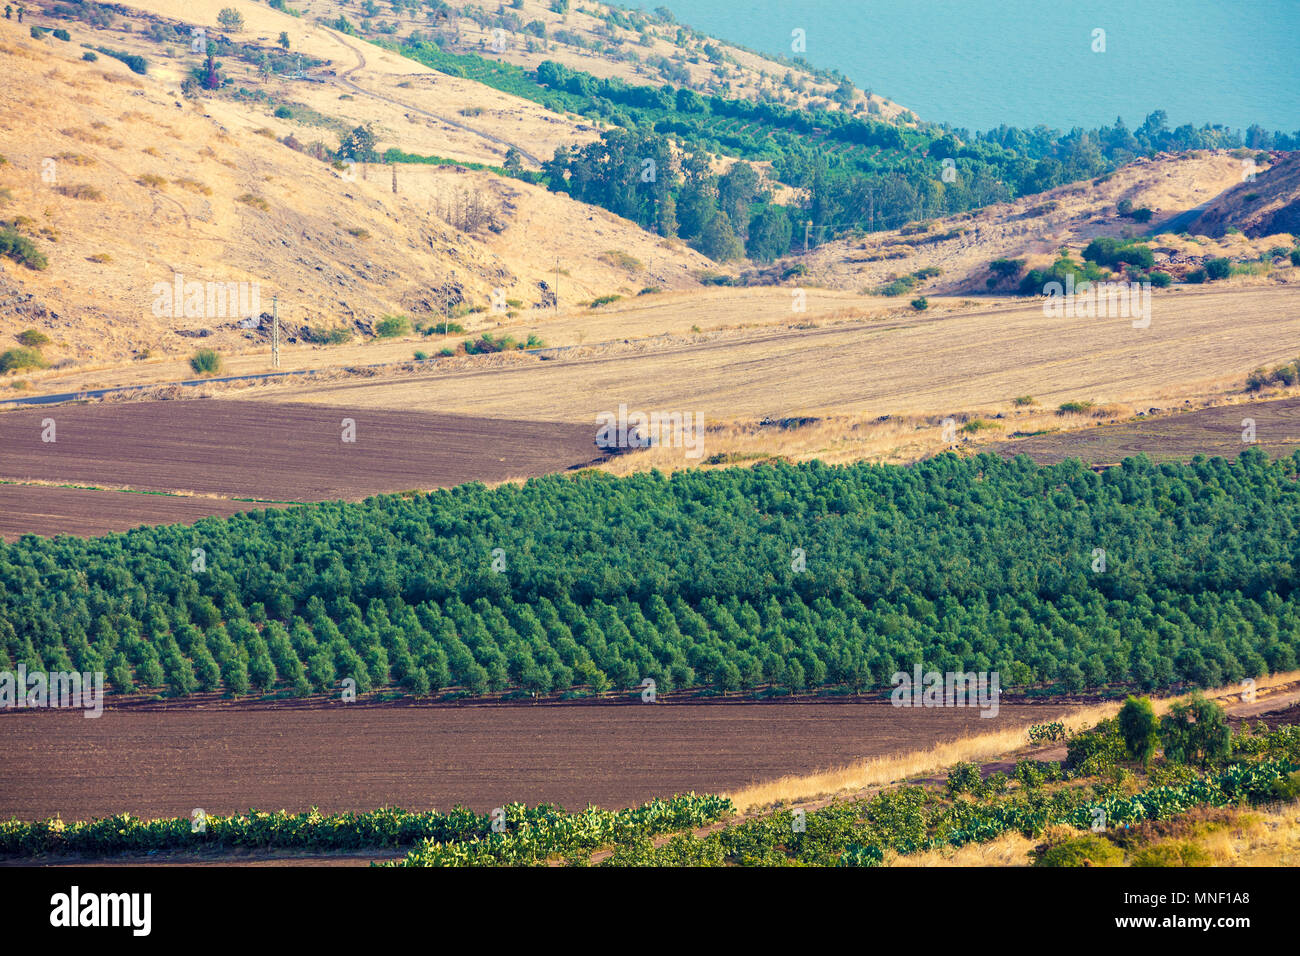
(980, 63)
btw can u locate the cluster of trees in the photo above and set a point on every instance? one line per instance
(595, 582)
(635, 175)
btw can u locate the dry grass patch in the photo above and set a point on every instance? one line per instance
(80, 191)
(193, 185)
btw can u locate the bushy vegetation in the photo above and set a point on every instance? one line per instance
(1286, 375)
(861, 172)
(1116, 253)
(388, 827)
(21, 249)
(978, 564)
(206, 362)
(15, 360)
(391, 326)
(134, 61)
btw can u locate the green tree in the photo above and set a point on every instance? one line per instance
(1195, 732)
(1137, 724)
(231, 19)
(284, 40)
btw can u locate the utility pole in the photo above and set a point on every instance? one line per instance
(807, 226)
(557, 285)
(275, 331)
(394, 179)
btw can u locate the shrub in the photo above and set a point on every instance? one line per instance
(391, 326)
(335, 336)
(1218, 269)
(21, 249)
(1287, 788)
(1021, 401)
(420, 356)
(1160, 280)
(650, 290)
(283, 112)
(1173, 853)
(1047, 732)
(963, 778)
(1112, 253)
(89, 56)
(63, 35)
(604, 300)
(1195, 732)
(1137, 725)
(900, 286)
(33, 338)
(442, 328)
(1095, 751)
(1295, 257)
(920, 304)
(38, 32)
(1196, 276)
(17, 359)
(621, 260)
(80, 191)
(137, 64)
(1086, 850)
(1006, 268)
(205, 362)
(1142, 215)
(1074, 408)
(257, 202)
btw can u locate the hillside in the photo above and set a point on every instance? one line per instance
(1264, 205)
(122, 184)
(1036, 227)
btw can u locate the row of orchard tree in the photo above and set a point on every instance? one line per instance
(797, 578)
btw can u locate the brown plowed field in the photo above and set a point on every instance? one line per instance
(1180, 437)
(167, 763)
(44, 510)
(279, 452)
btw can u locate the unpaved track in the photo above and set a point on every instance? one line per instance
(344, 79)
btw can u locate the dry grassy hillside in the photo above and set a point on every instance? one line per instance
(1035, 227)
(411, 106)
(1263, 205)
(122, 185)
(604, 40)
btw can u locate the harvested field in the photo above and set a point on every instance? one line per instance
(279, 452)
(1198, 342)
(48, 511)
(167, 762)
(1179, 437)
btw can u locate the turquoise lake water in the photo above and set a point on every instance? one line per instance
(980, 63)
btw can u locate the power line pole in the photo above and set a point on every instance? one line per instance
(806, 227)
(275, 331)
(557, 285)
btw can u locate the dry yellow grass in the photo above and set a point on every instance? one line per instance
(971, 362)
(881, 771)
(170, 205)
(1268, 836)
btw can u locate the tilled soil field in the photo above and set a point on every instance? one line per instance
(277, 452)
(47, 511)
(1207, 431)
(154, 763)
